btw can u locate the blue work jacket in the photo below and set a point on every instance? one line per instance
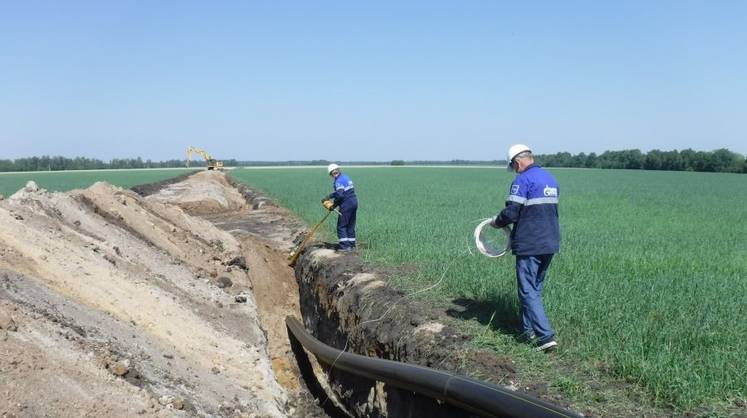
(532, 208)
(344, 192)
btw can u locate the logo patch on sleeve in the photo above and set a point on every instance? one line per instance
(514, 189)
(551, 191)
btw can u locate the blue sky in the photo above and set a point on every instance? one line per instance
(370, 80)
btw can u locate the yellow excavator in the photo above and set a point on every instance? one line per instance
(212, 163)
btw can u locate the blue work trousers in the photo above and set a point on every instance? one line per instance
(346, 224)
(530, 276)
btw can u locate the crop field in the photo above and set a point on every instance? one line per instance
(648, 290)
(67, 180)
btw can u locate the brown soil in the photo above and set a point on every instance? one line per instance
(112, 304)
(155, 187)
(276, 294)
(206, 192)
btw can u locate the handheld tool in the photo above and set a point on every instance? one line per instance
(294, 255)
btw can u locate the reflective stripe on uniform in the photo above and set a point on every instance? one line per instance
(541, 201)
(346, 239)
(518, 199)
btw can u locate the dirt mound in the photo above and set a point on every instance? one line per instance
(155, 187)
(207, 192)
(124, 305)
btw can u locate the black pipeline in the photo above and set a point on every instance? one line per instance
(471, 395)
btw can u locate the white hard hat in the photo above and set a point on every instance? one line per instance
(513, 151)
(332, 167)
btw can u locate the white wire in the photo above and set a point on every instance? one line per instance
(481, 245)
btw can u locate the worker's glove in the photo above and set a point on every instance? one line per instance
(328, 204)
(494, 222)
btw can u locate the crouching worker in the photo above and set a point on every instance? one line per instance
(344, 198)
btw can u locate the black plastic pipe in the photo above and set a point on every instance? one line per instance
(471, 395)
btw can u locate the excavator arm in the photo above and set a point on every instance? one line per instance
(212, 164)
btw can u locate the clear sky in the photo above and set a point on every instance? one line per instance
(372, 80)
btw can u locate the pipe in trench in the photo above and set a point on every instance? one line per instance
(471, 395)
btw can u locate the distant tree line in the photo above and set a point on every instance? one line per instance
(47, 163)
(721, 160)
(57, 163)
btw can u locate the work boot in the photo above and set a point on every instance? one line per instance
(345, 250)
(548, 347)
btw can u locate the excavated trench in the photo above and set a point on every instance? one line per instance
(172, 302)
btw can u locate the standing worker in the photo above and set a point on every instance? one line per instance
(532, 208)
(344, 198)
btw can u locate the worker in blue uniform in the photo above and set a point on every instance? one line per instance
(343, 197)
(532, 208)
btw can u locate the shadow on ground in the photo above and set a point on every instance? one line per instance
(500, 312)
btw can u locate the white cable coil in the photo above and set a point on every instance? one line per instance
(490, 241)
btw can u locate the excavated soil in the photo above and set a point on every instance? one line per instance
(114, 304)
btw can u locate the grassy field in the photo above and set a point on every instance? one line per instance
(649, 287)
(68, 180)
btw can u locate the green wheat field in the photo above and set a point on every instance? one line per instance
(650, 287)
